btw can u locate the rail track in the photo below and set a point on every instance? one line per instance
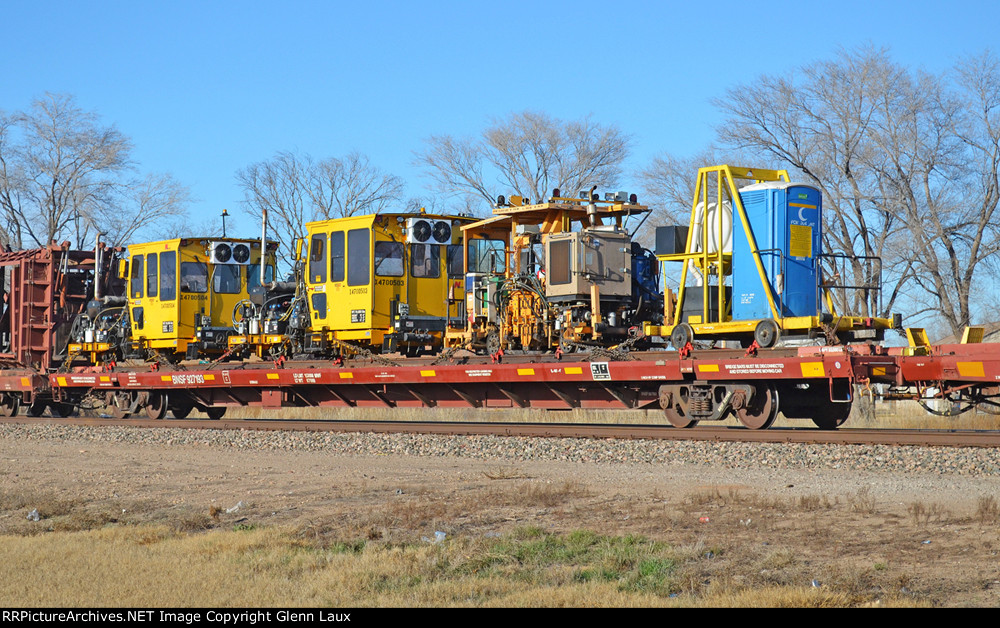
(896, 437)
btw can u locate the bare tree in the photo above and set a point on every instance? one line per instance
(527, 154)
(65, 176)
(668, 184)
(906, 163)
(352, 186)
(295, 190)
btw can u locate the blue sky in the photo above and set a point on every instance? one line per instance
(206, 88)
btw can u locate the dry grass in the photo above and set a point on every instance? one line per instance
(127, 566)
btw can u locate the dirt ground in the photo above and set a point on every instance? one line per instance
(935, 538)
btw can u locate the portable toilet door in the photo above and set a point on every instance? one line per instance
(785, 220)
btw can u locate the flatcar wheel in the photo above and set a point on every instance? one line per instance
(118, 405)
(156, 406)
(760, 413)
(675, 408)
(215, 412)
(831, 416)
(61, 410)
(181, 411)
(37, 408)
(9, 405)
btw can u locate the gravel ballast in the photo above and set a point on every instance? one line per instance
(874, 458)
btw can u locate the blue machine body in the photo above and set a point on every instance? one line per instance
(786, 221)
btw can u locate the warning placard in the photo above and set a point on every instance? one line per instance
(800, 241)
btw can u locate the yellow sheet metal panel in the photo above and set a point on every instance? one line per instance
(917, 337)
(973, 335)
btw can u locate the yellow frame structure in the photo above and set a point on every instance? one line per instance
(718, 264)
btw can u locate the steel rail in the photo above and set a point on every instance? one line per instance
(915, 437)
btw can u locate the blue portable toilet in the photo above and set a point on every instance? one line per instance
(786, 221)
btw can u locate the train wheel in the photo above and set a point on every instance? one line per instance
(37, 408)
(156, 406)
(215, 412)
(9, 405)
(766, 333)
(181, 411)
(60, 410)
(760, 413)
(118, 405)
(675, 407)
(830, 416)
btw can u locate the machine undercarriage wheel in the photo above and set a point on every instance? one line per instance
(762, 410)
(681, 335)
(492, 343)
(676, 407)
(766, 333)
(9, 405)
(156, 406)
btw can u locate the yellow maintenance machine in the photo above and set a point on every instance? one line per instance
(556, 275)
(753, 267)
(382, 282)
(182, 293)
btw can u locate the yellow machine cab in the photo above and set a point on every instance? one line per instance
(182, 293)
(387, 282)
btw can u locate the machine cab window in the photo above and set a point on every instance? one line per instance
(389, 259)
(253, 275)
(226, 278)
(136, 278)
(425, 260)
(194, 277)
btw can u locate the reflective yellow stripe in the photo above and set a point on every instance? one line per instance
(525, 371)
(427, 374)
(574, 370)
(347, 376)
(272, 376)
(812, 369)
(708, 368)
(971, 369)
